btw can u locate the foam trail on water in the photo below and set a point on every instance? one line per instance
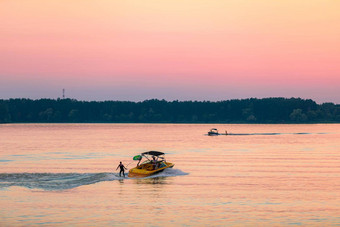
(169, 173)
(63, 181)
(52, 181)
(266, 134)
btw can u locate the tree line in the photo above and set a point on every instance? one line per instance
(266, 110)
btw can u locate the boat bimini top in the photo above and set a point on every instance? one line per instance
(154, 153)
(157, 154)
(148, 155)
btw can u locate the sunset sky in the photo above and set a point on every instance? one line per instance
(170, 49)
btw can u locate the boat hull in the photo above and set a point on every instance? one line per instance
(146, 170)
(213, 133)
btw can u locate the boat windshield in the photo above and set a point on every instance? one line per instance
(146, 162)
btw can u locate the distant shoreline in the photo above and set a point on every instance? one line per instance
(238, 111)
(155, 123)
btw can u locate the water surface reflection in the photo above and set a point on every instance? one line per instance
(288, 178)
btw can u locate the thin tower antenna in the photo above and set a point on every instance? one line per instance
(63, 93)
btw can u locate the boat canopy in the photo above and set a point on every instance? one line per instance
(213, 129)
(155, 153)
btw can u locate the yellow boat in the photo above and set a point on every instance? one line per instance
(155, 162)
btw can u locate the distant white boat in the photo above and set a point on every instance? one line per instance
(213, 132)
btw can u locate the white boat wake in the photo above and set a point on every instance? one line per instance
(63, 181)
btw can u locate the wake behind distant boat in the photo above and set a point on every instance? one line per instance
(214, 132)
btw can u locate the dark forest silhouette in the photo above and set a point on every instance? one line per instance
(267, 110)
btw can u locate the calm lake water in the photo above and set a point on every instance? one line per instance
(263, 175)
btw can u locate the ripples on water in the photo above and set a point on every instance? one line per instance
(260, 175)
(62, 181)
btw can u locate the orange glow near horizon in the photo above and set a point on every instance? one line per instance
(244, 43)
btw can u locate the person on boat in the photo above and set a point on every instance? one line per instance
(154, 162)
(122, 167)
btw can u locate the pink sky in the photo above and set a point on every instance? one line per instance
(171, 49)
